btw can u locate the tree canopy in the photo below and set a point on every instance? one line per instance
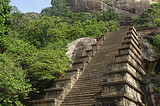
(33, 46)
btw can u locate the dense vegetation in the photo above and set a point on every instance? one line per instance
(33, 46)
(151, 17)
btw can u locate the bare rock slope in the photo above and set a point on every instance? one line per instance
(127, 9)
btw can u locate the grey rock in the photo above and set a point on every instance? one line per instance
(147, 48)
(127, 9)
(77, 47)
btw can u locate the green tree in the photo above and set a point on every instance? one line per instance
(49, 65)
(42, 30)
(151, 17)
(15, 9)
(106, 15)
(13, 84)
(31, 15)
(19, 22)
(5, 21)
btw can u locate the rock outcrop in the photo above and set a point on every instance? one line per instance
(127, 9)
(76, 48)
(149, 55)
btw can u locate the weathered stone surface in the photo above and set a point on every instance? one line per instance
(152, 95)
(46, 102)
(127, 9)
(149, 57)
(77, 47)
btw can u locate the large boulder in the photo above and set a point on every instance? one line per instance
(77, 48)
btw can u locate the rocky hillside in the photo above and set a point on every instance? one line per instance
(127, 9)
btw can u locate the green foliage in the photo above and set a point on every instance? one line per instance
(41, 66)
(12, 82)
(44, 30)
(50, 29)
(108, 16)
(147, 83)
(14, 9)
(22, 53)
(63, 11)
(151, 17)
(158, 88)
(59, 9)
(19, 22)
(49, 65)
(40, 49)
(142, 19)
(108, 3)
(31, 15)
(5, 22)
(157, 43)
(36, 54)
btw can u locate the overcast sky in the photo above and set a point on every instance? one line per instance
(31, 5)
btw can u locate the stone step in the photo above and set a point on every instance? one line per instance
(63, 82)
(89, 52)
(80, 96)
(92, 86)
(84, 91)
(89, 79)
(46, 102)
(83, 83)
(95, 46)
(75, 72)
(78, 100)
(87, 103)
(86, 84)
(126, 55)
(78, 64)
(125, 50)
(72, 69)
(86, 58)
(129, 41)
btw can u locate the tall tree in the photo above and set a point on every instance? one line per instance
(15, 9)
(5, 21)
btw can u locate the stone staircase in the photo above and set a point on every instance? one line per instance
(55, 96)
(89, 84)
(109, 74)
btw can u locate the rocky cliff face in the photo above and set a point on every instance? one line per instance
(149, 57)
(127, 9)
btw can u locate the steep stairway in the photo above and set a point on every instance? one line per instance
(55, 96)
(109, 74)
(88, 85)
